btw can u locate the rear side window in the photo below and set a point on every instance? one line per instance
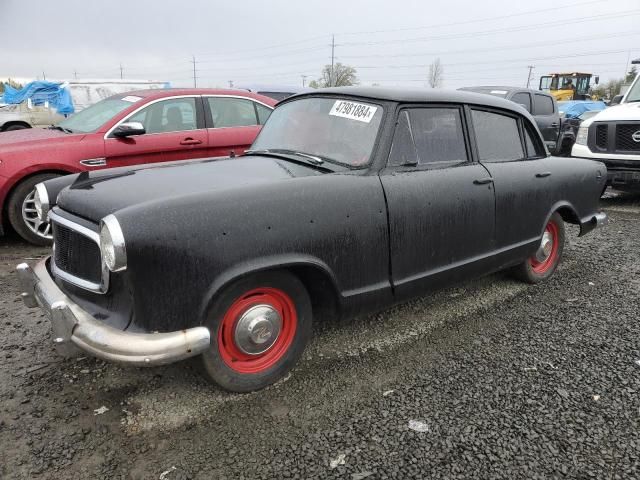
(263, 113)
(232, 112)
(523, 99)
(497, 137)
(543, 105)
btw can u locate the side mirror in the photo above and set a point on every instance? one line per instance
(616, 100)
(128, 129)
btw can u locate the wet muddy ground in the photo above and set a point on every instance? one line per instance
(492, 378)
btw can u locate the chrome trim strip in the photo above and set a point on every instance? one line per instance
(106, 135)
(100, 288)
(95, 236)
(94, 162)
(74, 329)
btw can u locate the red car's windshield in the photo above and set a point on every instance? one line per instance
(93, 117)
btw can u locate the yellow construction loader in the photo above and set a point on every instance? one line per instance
(568, 86)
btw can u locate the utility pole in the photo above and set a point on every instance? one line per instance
(75, 74)
(333, 49)
(304, 79)
(121, 71)
(193, 60)
(43, 76)
(530, 67)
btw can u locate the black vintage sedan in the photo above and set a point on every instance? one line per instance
(350, 200)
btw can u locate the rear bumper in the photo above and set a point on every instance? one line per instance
(76, 330)
(598, 220)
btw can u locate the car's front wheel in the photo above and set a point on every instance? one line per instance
(22, 211)
(541, 265)
(260, 326)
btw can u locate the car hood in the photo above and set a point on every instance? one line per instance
(622, 112)
(94, 195)
(33, 136)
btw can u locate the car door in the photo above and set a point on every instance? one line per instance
(440, 202)
(545, 113)
(232, 123)
(174, 131)
(509, 147)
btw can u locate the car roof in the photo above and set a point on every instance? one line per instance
(154, 93)
(484, 88)
(417, 95)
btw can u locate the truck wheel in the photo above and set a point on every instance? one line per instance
(15, 127)
(260, 325)
(541, 265)
(22, 211)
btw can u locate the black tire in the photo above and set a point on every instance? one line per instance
(11, 128)
(223, 309)
(530, 271)
(14, 208)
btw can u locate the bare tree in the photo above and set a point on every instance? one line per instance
(341, 76)
(435, 74)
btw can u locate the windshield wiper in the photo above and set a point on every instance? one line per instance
(62, 129)
(314, 159)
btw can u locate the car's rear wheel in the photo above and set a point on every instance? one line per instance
(22, 211)
(541, 265)
(259, 327)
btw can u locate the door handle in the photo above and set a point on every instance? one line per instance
(190, 141)
(483, 181)
(543, 174)
(554, 124)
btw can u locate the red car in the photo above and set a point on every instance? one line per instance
(128, 129)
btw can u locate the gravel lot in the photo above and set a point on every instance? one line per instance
(493, 379)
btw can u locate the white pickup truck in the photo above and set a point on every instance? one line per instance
(613, 137)
(83, 93)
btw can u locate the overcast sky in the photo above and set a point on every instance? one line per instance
(390, 42)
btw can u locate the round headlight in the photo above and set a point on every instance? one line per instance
(41, 200)
(112, 248)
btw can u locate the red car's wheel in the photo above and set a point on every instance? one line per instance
(259, 328)
(545, 260)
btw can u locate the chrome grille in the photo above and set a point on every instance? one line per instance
(76, 254)
(624, 140)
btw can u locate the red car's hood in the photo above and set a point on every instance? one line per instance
(31, 136)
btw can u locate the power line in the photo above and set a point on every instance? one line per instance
(500, 30)
(476, 20)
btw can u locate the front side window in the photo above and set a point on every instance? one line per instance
(93, 117)
(497, 137)
(172, 115)
(232, 112)
(342, 131)
(543, 104)
(522, 98)
(438, 135)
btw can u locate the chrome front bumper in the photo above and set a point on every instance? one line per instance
(76, 330)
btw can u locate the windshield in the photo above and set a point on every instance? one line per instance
(336, 130)
(634, 91)
(93, 117)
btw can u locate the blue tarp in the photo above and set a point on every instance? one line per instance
(56, 94)
(575, 108)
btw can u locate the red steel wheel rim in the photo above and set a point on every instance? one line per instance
(547, 264)
(232, 355)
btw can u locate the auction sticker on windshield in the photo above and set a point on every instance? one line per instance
(131, 98)
(353, 110)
